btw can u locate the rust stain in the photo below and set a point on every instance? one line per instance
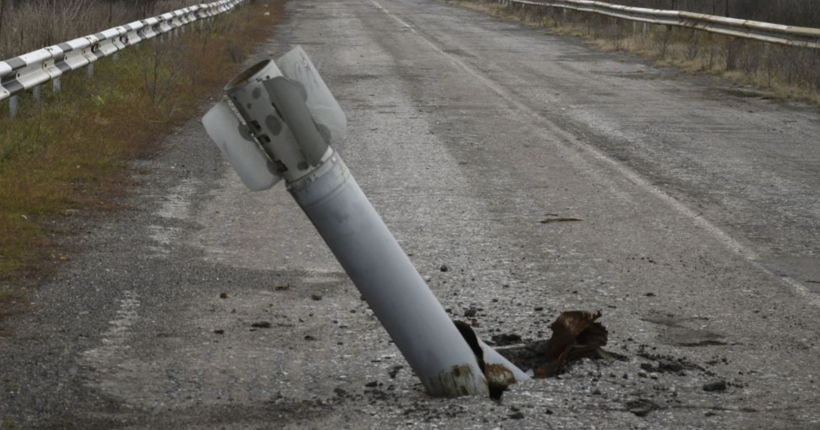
(458, 381)
(497, 374)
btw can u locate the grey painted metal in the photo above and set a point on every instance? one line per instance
(233, 138)
(388, 281)
(56, 85)
(26, 71)
(492, 356)
(290, 118)
(36, 93)
(763, 31)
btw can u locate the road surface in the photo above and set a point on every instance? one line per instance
(699, 233)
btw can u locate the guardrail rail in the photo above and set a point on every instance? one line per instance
(757, 30)
(29, 71)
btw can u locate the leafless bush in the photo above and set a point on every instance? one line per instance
(749, 57)
(731, 53)
(661, 38)
(161, 70)
(694, 46)
(235, 52)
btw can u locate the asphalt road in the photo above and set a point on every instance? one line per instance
(699, 237)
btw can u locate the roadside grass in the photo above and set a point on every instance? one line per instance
(781, 72)
(67, 158)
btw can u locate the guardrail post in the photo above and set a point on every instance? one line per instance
(14, 102)
(36, 93)
(115, 57)
(56, 85)
(291, 118)
(90, 69)
(643, 29)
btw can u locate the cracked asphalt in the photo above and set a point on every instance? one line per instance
(203, 305)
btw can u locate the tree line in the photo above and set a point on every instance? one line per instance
(27, 25)
(803, 13)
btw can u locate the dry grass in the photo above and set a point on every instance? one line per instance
(784, 72)
(68, 158)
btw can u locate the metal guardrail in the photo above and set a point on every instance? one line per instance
(30, 70)
(763, 31)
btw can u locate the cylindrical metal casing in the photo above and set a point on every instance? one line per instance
(389, 282)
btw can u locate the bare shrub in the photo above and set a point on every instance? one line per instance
(661, 38)
(731, 52)
(694, 46)
(749, 57)
(161, 71)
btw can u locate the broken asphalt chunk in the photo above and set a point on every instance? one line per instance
(715, 386)
(517, 416)
(575, 334)
(395, 371)
(641, 407)
(506, 339)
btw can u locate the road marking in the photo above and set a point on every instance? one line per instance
(175, 206)
(720, 235)
(114, 339)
